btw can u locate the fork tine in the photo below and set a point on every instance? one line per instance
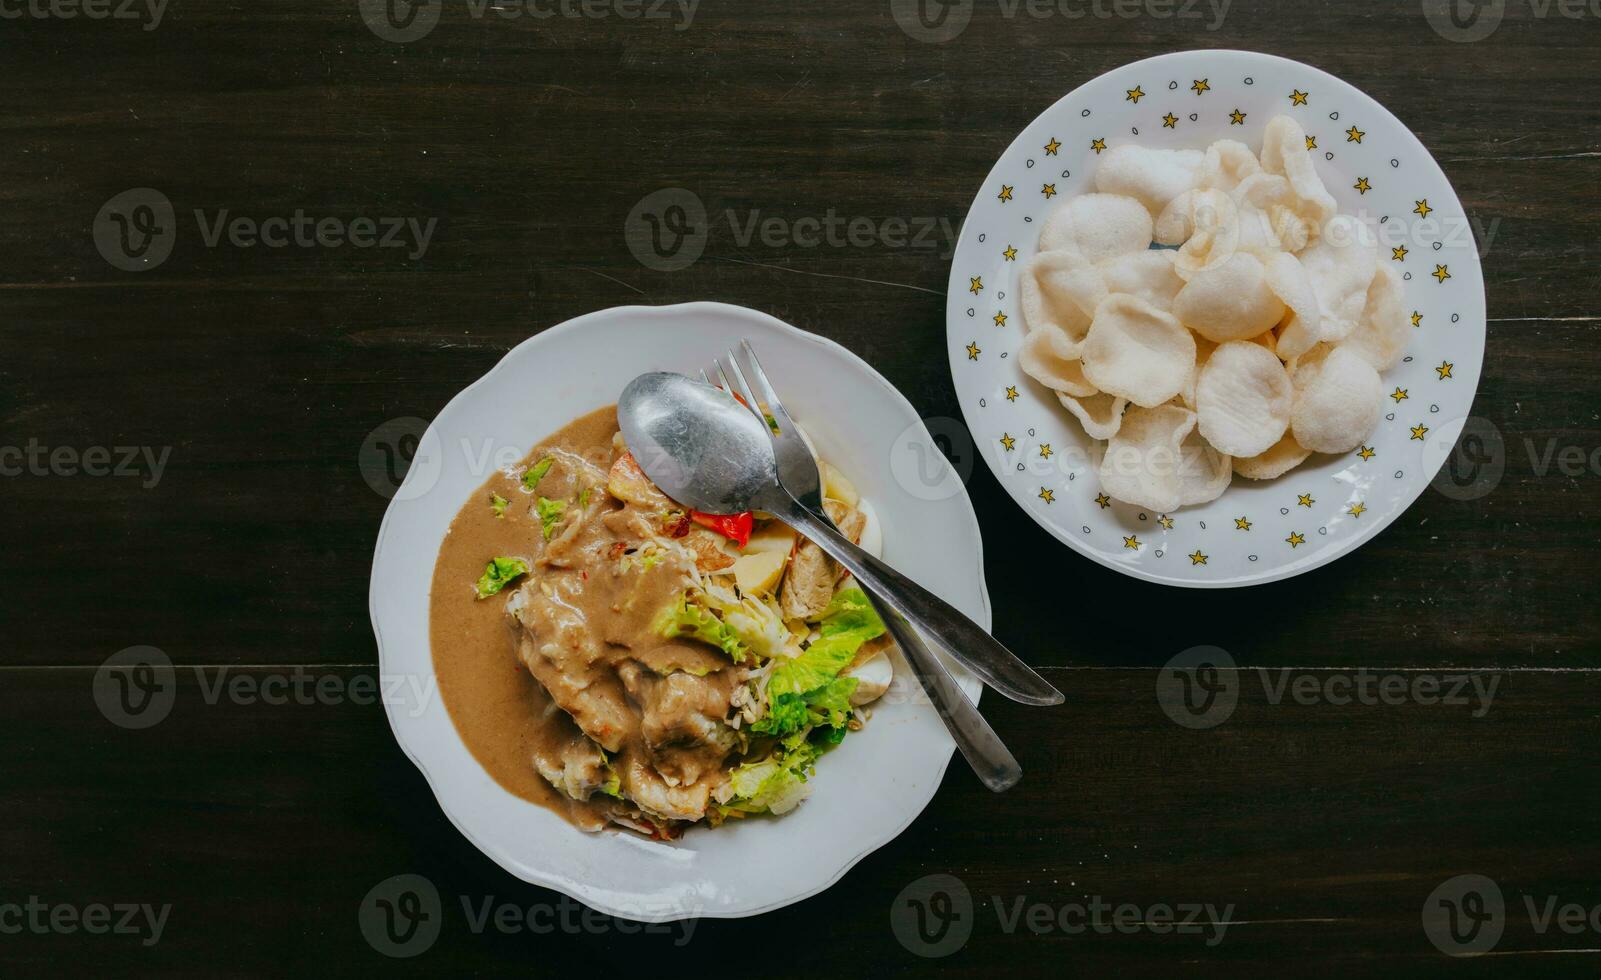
(773, 404)
(744, 388)
(705, 379)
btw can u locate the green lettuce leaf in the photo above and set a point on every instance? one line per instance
(775, 784)
(497, 503)
(550, 514)
(536, 472)
(685, 618)
(498, 574)
(807, 691)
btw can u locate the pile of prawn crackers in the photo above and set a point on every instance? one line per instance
(1253, 344)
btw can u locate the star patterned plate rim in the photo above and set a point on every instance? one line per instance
(1312, 515)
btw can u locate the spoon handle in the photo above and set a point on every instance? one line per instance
(963, 639)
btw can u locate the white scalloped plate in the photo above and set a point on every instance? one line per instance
(866, 792)
(1257, 531)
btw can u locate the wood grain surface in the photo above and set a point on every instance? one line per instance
(250, 381)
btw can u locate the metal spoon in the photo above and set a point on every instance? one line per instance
(704, 450)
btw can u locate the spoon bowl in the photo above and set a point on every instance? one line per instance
(695, 442)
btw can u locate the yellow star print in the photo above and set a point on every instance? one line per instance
(999, 318)
(973, 350)
(1417, 319)
(1362, 186)
(1200, 85)
(1236, 118)
(1049, 190)
(1011, 393)
(1398, 253)
(1135, 94)
(1048, 495)
(1354, 135)
(1007, 441)
(1444, 370)
(1441, 273)
(975, 284)
(1170, 121)
(1103, 500)
(1132, 542)
(1052, 147)
(1196, 558)
(1166, 522)
(1006, 193)
(1419, 431)
(1242, 524)
(1010, 253)
(1098, 145)
(1399, 394)
(1296, 539)
(1356, 509)
(1045, 450)
(1297, 97)
(1366, 452)
(1311, 142)
(1421, 208)
(1305, 500)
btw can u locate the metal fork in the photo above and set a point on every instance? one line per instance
(797, 471)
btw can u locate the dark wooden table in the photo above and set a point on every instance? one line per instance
(252, 375)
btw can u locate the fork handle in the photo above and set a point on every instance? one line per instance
(963, 639)
(991, 760)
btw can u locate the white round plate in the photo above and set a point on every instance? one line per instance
(865, 792)
(1257, 531)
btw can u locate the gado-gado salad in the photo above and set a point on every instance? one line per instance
(630, 661)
